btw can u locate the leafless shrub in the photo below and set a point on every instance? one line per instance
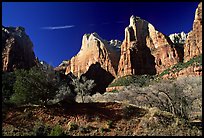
(162, 123)
(182, 97)
(63, 94)
(83, 86)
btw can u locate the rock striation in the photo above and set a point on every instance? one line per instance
(193, 44)
(146, 50)
(94, 49)
(97, 59)
(17, 49)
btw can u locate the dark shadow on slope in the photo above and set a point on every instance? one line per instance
(179, 48)
(105, 111)
(101, 77)
(143, 61)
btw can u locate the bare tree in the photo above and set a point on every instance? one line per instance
(83, 86)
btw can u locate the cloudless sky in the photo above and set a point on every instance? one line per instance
(74, 19)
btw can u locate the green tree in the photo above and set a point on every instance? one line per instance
(83, 86)
(33, 86)
(8, 80)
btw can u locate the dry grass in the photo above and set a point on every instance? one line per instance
(94, 119)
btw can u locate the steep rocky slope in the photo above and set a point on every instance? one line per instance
(97, 59)
(146, 50)
(17, 49)
(192, 64)
(193, 44)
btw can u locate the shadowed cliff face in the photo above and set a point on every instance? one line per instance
(143, 62)
(17, 49)
(101, 77)
(145, 50)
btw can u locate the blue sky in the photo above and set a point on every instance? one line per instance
(56, 28)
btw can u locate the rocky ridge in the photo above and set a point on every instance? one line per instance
(193, 44)
(146, 50)
(17, 49)
(97, 59)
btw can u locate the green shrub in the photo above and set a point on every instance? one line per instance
(123, 81)
(114, 91)
(102, 129)
(33, 86)
(110, 123)
(8, 80)
(140, 80)
(57, 131)
(41, 129)
(179, 66)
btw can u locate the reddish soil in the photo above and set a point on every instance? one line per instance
(95, 116)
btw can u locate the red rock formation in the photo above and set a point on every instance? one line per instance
(17, 49)
(189, 71)
(97, 59)
(114, 88)
(193, 44)
(94, 49)
(145, 50)
(192, 48)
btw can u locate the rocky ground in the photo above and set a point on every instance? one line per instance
(94, 119)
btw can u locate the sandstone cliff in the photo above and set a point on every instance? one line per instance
(193, 44)
(145, 50)
(97, 59)
(192, 49)
(94, 49)
(17, 49)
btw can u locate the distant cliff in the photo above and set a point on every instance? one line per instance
(144, 50)
(193, 44)
(17, 49)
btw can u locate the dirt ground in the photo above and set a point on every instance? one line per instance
(109, 119)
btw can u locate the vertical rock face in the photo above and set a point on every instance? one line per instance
(145, 50)
(193, 44)
(94, 49)
(96, 56)
(17, 49)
